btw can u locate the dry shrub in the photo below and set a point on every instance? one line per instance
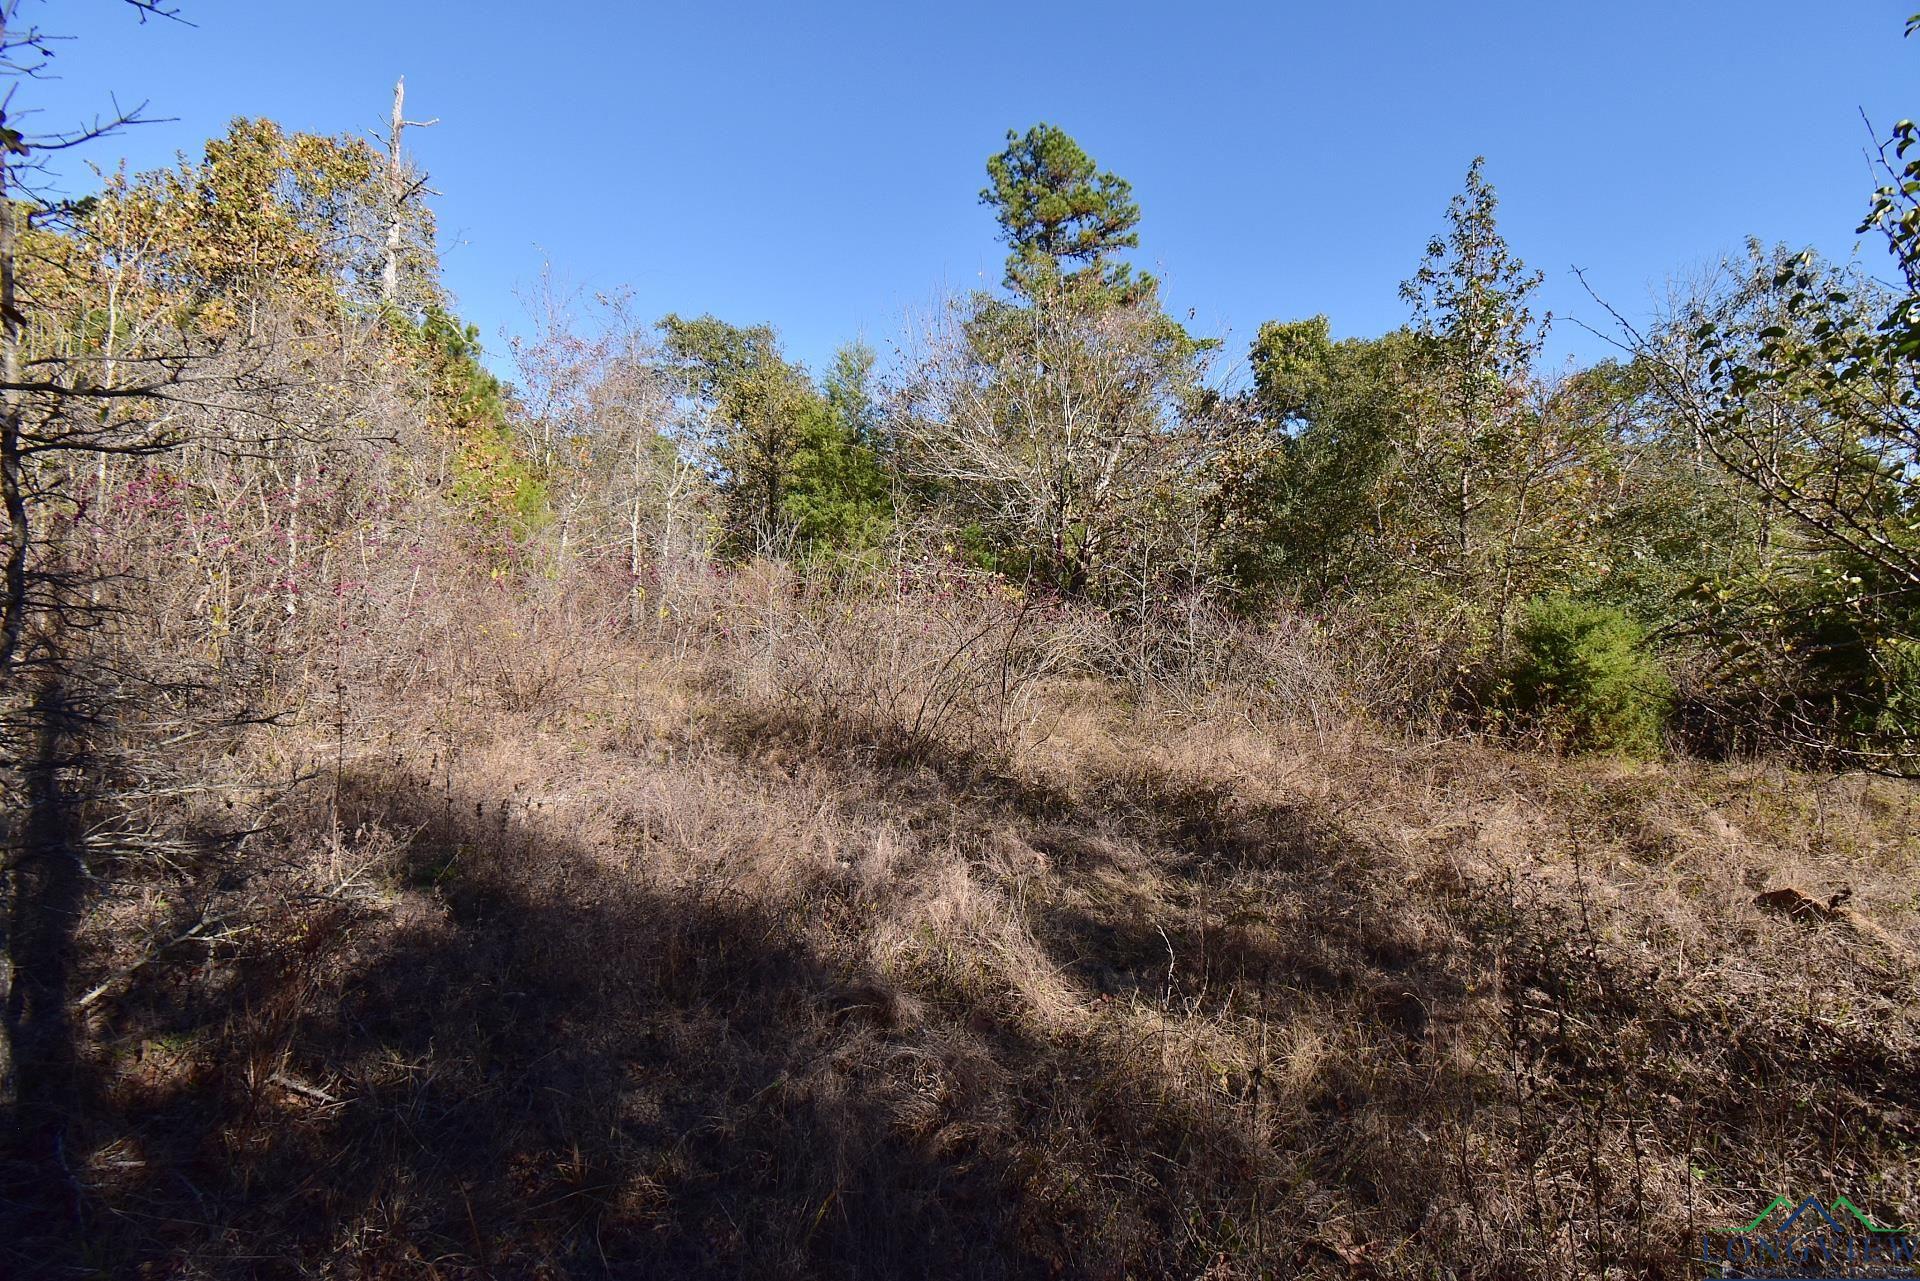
(1322, 670)
(1177, 646)
(1403, 668)
(918, 656)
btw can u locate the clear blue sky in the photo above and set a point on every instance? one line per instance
(817, 165)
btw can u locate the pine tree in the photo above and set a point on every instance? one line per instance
(1483, 457)
(1063, 219)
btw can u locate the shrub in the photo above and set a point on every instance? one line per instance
(913, 654)
(1584, 672)
(1824, 664)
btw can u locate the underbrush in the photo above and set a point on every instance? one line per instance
(809, 930)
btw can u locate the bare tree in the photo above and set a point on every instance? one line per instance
(51, 402)
(1062, 430)
(404, 188)
(35, 389)
(596, 412)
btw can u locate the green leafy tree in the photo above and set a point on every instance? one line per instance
(747, 409)
(1807, 401)
(1432, 467)
(1303, 502)
(1660, 517)
(1805, 389)
(789, 463)
(502, 494)
(850, 395)
(840, 496)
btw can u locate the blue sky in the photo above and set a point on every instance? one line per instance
(818, 165)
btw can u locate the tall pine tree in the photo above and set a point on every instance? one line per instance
(1063, 220)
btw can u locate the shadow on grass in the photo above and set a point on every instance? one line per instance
(537, 1058)
(544, 1060)
(1218, 916)
(557, 1072)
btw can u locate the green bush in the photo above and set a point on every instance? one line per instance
(1584, 674)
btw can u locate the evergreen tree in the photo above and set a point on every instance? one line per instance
(848, 388)
(1057, 427)
(1063, 219)
(1489, 466)
(840, 497)
(1472, 305)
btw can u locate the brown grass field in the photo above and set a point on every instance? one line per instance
(843, 941)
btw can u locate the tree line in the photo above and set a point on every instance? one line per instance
(238, 373)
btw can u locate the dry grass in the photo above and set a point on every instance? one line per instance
(784, 951)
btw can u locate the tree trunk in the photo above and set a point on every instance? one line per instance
(13, 608)
(396, 197)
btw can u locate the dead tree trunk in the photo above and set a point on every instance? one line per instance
(396, 196)
(402, 188)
